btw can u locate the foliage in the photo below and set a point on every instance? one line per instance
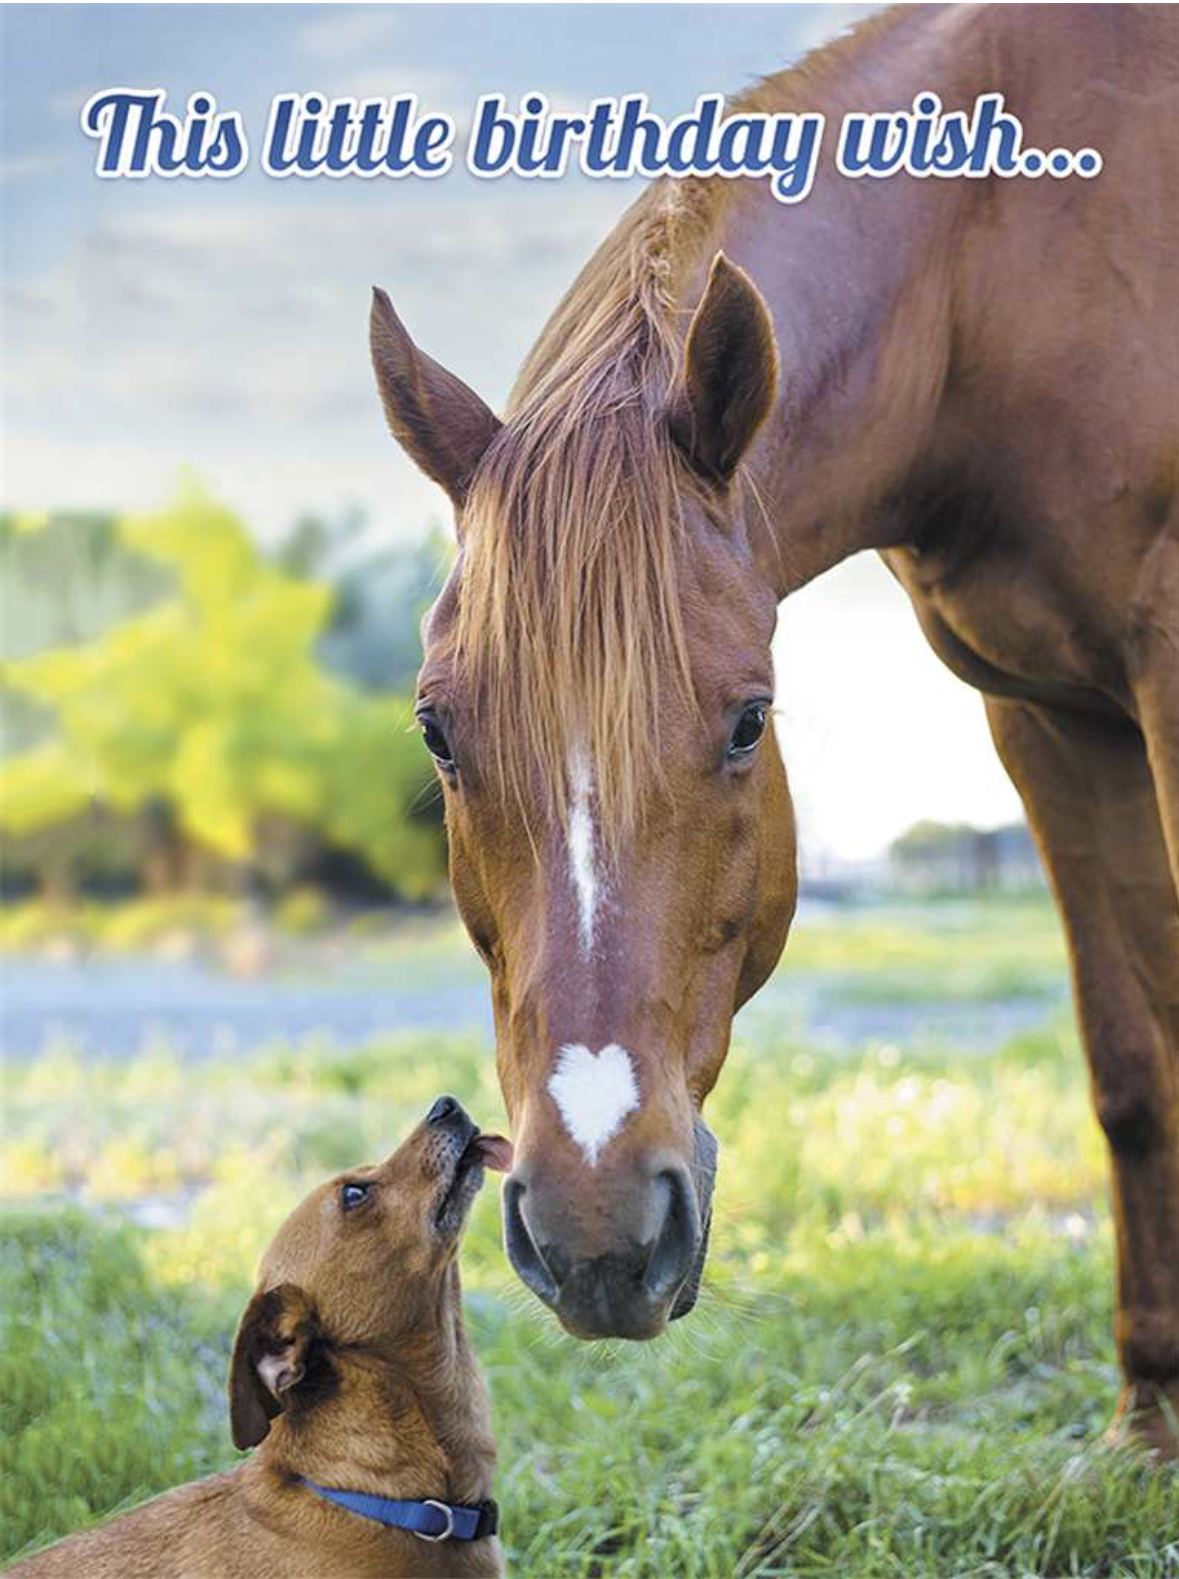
(69, 576)
(381, 593)
(105, 1378)
(928, 836)
(960, 948)
(41, 788)
(956, 857)
(213, 701)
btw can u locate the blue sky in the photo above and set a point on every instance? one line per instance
(222, 324)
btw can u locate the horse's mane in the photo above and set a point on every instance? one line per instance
(570, 625)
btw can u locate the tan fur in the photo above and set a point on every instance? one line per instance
(351, 1368)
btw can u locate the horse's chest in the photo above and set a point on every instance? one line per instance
(1012, 626)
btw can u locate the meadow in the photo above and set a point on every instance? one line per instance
(901, 1364)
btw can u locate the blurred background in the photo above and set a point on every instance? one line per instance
(215, 560)
(229, 960)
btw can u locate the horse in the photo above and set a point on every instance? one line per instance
(975, 378)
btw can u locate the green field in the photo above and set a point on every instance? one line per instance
(901, 1364)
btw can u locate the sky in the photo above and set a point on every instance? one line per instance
(222, 324)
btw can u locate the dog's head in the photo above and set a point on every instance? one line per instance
(360, 1266)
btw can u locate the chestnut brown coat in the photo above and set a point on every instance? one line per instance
(979, 379)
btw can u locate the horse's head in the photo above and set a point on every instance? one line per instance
(596, 694)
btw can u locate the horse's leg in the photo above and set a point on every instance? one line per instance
(1092, 804)
(1156, 692)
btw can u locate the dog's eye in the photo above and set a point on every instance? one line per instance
(354, 1195)
(751, 726)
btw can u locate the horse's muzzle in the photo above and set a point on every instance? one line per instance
(632, 1287)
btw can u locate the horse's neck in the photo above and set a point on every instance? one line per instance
(858, 280)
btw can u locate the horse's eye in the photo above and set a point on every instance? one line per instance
(751, 726)
(436, 742)
(354, 1195)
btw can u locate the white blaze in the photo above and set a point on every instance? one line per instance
(594, 1092)
(583, 870)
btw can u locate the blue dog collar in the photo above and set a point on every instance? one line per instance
(430, 1520)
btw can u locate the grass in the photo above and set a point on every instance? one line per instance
(169, 921)
(901, 1365)
(953, 948)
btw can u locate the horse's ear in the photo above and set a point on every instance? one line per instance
(437, 420)
(270, 1357)
(730, 373)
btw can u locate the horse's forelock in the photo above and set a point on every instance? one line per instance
(570, 629)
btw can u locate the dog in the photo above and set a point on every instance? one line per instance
(353, 1378)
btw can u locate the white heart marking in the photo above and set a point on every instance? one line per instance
(594, 1092)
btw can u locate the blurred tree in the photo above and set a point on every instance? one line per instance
(957, 857)
(381, 594)
(67, 576)
(212, 704)
(928, 837)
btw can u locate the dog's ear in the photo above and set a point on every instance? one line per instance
(270, 1356)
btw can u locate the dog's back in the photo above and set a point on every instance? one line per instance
(190, 1531)
(240, 1526)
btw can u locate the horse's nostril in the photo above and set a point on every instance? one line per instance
(443, 1109)
(675, 1249)
(623, 1283)
(523, 1252)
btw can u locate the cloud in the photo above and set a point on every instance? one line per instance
(438, 92)
(347, 30)
(27, 167)
(240, 346)
(821, 23)
(66, 103)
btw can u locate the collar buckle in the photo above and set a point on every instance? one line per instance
(461, 1522)
(447, 1513)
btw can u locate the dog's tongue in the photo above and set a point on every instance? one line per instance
(496, 1151)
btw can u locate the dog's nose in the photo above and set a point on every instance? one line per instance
(444, 1108)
